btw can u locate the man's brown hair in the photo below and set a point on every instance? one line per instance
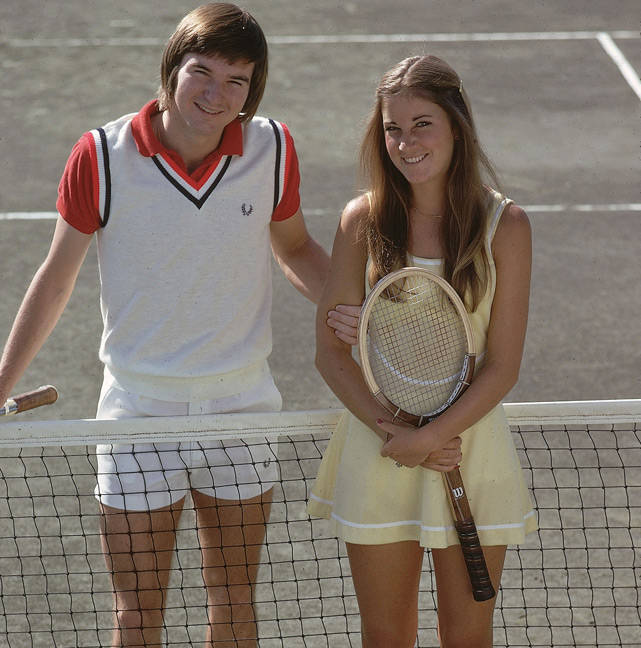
(217, 29)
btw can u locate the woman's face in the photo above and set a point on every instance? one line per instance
(418, 138)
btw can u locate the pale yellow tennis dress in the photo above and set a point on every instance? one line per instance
(370, 500)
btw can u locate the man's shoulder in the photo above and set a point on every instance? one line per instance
(116, 125)
(266, 125)
(267, 134)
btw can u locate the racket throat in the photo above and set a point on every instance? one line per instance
(467, 371)
(465, 378)
(463, 382)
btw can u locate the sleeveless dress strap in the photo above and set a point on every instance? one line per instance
(500, 203)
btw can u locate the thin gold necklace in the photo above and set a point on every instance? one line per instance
(420, 213)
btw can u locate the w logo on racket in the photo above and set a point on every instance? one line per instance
(458, 492)
(247, 210)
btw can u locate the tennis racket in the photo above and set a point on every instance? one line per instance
(417, 357)
(42, 396)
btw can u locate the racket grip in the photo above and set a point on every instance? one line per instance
(482, 588)
(45, 395)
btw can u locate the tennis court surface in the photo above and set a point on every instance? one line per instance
(555, 90)
(556, 102)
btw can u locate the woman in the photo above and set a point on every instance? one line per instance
(427, 206)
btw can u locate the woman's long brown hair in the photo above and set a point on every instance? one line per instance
(386, 229)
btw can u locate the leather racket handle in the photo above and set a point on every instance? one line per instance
(45, 395)
(482, 588)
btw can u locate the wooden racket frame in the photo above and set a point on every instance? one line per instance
(45, 395)
(482, 588)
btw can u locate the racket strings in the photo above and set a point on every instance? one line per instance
(416, 345)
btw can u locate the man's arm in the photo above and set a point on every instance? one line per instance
(44, 302)
(303, 261)
(306, 265)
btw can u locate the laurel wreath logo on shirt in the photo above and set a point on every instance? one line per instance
(247, 210)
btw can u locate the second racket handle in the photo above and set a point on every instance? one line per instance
(45, 395)
(482, 588)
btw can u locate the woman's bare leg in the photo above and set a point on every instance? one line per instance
(464, 622)
(386, 578)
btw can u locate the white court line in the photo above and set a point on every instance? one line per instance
(322, 39)
(25, 216)
(612, 207)
(531, 209)
(605, 39)
(628, 72)
(446, 37)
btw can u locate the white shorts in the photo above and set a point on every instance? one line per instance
(148, 476)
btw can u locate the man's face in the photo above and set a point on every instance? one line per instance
(210, 92)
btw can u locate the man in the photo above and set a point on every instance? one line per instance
(185, 198)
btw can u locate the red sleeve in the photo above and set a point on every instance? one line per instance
(78, 189)
(290, 200)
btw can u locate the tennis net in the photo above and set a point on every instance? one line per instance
(576, 582)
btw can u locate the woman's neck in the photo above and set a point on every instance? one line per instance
(428, 202)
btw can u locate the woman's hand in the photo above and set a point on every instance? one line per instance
(410, 446)
(447, 458)
(344, 320)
